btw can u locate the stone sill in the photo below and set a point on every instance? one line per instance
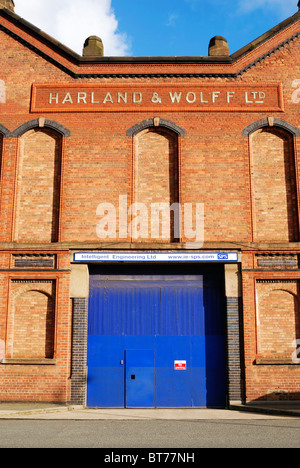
(30, 362)
(271, 361)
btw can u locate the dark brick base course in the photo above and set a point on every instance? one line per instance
(79, 352)
(234, 347)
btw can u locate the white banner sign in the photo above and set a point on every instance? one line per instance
(155, 257)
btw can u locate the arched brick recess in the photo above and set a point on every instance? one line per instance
(38, 186)
(155, 182)
(277, 303)
(31, 320)
(274, 202)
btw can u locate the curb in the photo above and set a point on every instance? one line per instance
(267, 411)
(12, 414)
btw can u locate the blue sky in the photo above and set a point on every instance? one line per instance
(159, 27)
(184, 27)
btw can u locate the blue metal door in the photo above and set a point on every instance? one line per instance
(156, 340)
(140, 379)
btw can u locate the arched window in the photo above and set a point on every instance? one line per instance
(1, 151)
(155, 209)
(38, 186)
(273, 181)
(34, 326)
(277, 317)
(31, 319)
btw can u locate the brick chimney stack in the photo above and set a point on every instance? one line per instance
(9, 4)
(93, 47)
(218, 46)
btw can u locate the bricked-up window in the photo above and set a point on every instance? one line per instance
(1, 150)
(38, 187)
(155, 182)
(31, 320)
(278, 320)
(274, 198)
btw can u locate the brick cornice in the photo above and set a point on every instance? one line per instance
(150, 67)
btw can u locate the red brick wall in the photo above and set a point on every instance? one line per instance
(274, 188)
(25, 305)
(155, 182)
(98, 156)
(277, 318)
(38, 187)
(271, 324)
(98, 166)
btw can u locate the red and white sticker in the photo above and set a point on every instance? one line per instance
(180, 365)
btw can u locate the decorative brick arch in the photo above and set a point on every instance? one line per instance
(4, 131)
(271, 122)
(155, 122)
(41, 123)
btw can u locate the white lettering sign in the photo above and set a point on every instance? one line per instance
(257, 97)
(222, 257)
(204, 97)
(180, 365)
(191, 97)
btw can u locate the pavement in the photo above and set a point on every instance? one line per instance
(45, 411)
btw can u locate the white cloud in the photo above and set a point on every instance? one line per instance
(172, 20)
(72, 21)
(279, 7)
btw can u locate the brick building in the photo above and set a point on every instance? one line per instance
(108, 296)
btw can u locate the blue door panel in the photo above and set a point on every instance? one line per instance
(198, 387)
(198, 351)
(173, 387)
(215, 351)
(105, 387)
(139, 326)
(140, 342)
(215, 387)
(140, 379)
(105, 371)
(172, 348)
(105, 351)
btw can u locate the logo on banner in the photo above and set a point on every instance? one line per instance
(223, 256)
